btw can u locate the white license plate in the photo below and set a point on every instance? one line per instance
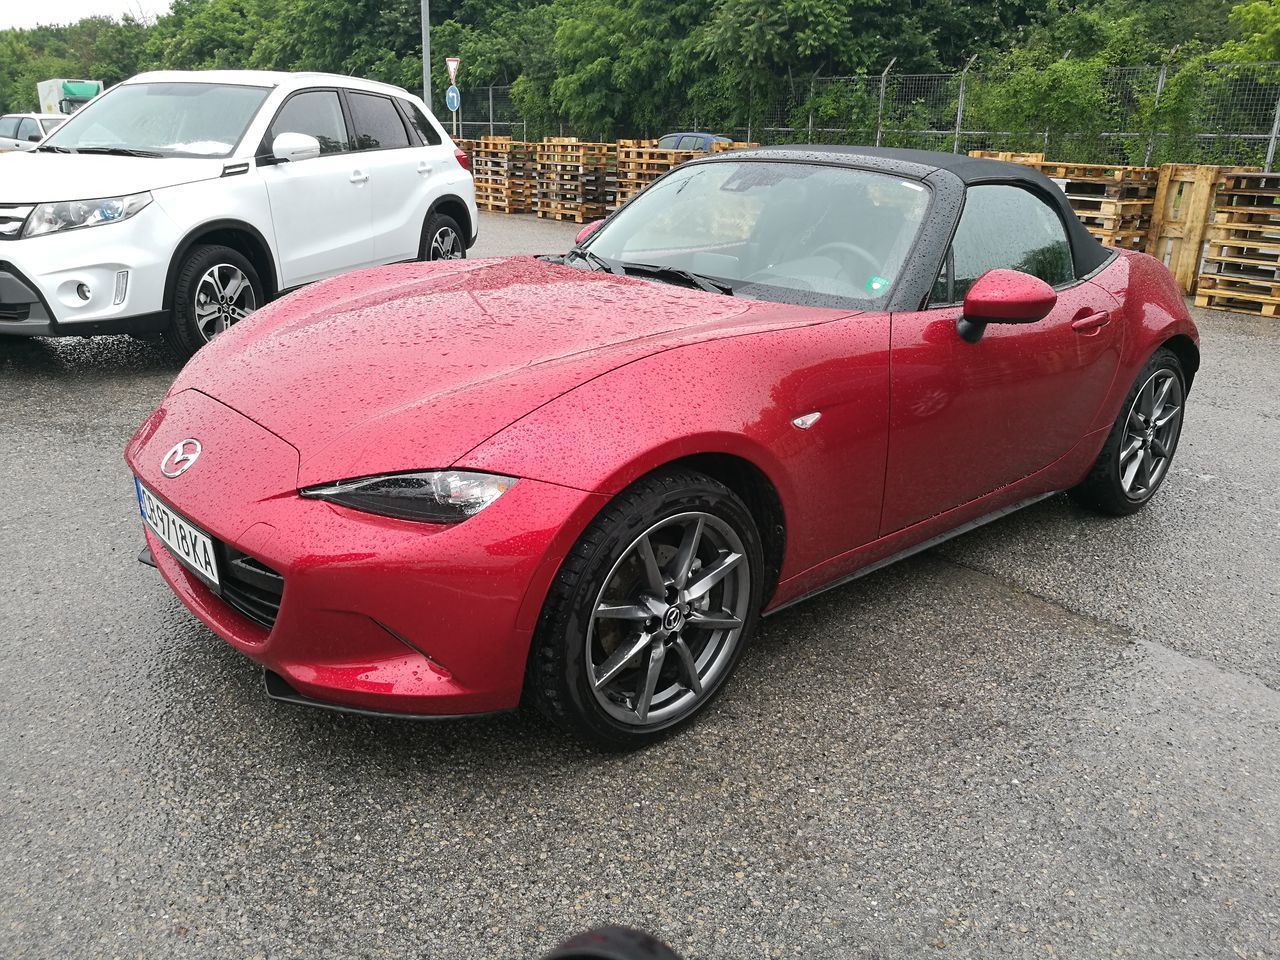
(184, 541)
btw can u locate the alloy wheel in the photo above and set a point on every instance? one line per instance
(668, 620)
(445, 245)
(224, 296)
(1151, 434)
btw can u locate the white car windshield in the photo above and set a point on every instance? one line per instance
(773, 230)
(162, 119)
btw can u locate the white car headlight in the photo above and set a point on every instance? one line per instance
(74, 214)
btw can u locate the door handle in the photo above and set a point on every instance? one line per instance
(1091, 322)
(424, 168)
(358, 177)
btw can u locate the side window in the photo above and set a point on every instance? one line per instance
(1007, 226)
(421, 125)
(668, 142)
(317, 113)
(9, 127)
(377, 122)
(691, 143)
(50, 126)
(28, 128)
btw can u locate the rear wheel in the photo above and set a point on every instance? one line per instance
(1139, 450)
(650, 611)
(442, 239)
(216, 287)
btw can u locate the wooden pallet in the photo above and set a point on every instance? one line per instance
(1240, 269)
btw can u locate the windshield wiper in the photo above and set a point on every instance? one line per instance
(597, 261)
(675, 273)
(119, 151)
(49, 148)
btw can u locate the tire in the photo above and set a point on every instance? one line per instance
(612, 943)
(197, 316)
(1118, 484)
(580, 674)
(436, 243)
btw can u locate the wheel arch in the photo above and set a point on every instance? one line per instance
(1188, 354)
(451, 205)
(239, 236)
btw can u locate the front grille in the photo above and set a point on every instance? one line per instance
(252, 588)
(12, 217)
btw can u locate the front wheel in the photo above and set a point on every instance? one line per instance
(1139, 450)
(442, 239)
(650, 611)
(216, 287)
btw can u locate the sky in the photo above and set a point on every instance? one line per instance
(22, 13)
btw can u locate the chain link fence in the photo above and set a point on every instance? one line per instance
(1224, 113)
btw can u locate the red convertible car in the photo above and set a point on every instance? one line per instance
(434, 489)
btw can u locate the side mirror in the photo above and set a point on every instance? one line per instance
(1004, 296)
(34, 138)
(294, 147)
(587, 231)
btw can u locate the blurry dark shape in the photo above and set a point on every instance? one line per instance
(613, 943)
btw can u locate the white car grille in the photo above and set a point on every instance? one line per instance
(12, 217)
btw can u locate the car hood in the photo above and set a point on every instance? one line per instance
(28, 177)
(410, 367)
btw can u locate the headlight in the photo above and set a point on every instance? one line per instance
(73, 214)
(441, 496)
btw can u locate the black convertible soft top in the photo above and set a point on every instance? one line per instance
(1087, 253)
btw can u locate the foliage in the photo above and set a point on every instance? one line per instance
(1047, 72)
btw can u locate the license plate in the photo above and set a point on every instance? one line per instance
(193, 548)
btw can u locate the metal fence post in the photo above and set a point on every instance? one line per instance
(1271, 143)
(1155, 108)
(491, 110)
(811, 109)
(884, 80)
(964, 76)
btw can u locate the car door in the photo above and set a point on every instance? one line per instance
(401, 171)
(320, 208)
(970, 418)
(29, 133)
(8, 133)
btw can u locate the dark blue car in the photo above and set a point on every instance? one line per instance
(690, 140)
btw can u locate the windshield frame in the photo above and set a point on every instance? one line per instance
(266, 88)
(887, 301)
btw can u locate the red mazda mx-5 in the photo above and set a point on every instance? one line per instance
(430, 489)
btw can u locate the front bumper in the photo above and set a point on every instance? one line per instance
(44, 280)
(377, 615)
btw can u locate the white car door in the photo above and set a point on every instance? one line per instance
(401, 173)
(9, 133)
(321, 209)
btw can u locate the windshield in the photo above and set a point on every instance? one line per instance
(793, 232)
(168, 119)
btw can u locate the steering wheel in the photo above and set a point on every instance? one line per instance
(843, 246)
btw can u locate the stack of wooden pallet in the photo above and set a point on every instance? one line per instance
(506, 175)
(1030, 159)
(640, 163)
(1241, 269)
(574, 179)
(1115, 203)
(718, 147)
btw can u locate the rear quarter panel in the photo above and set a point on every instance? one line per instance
(1152, 312)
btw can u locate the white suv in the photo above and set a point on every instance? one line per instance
(177, 203)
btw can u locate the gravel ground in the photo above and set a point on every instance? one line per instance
(1056, 736)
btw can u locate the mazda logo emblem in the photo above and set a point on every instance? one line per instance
(180, 458)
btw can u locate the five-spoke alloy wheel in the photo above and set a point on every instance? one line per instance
(650, 612)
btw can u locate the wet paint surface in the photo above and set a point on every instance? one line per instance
(1055, 732)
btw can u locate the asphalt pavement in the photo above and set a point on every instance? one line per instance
(1056, 736)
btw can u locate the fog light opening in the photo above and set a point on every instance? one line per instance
(83, 292)
(122, 287)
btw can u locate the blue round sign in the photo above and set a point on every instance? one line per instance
(452, 98)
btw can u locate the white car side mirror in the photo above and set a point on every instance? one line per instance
(295, 147)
